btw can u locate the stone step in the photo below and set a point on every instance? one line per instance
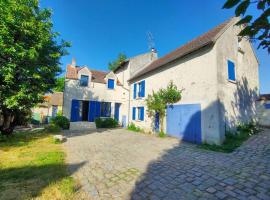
(82, 126)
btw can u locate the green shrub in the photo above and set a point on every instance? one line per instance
(234, 139)
(60, 121)
(161, 134)
(133, 127)
(52, 128)
(106, 123)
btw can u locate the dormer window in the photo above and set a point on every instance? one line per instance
(84, 80)
(111, 84)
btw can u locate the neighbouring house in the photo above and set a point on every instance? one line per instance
(52, 105)
(218, 72)
(263, 108)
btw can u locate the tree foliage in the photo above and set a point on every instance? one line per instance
(158, 101)
(255, 28)
(59, 84)
(116, 63)
(29, 58)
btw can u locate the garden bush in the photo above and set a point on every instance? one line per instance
(106, 123)
(161, 134)
(133, 127)
(60, 121)
(234, 140)
(52, 128)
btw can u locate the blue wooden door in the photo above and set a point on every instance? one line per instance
(75, 111)
(116, 111)
(157, 122)
(184, 121)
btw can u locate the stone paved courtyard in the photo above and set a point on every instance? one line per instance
(119, 164)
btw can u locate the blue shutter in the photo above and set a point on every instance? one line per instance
(142, 113)
(143, 88)
(111, 84)
(75, 110)
(91, 111)
(231, 70)
(134, 90)
(133, 113)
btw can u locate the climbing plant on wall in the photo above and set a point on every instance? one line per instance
(158, 101)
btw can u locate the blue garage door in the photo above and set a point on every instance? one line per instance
(184, 122)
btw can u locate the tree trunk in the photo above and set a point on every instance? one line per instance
(8, 124)
(161, 124)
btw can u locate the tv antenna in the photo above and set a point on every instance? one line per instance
(150, 38)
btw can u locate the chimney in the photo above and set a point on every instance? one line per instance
(153, 50)
(73, 62)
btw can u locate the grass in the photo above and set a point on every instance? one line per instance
(232, 141)
(32, 166)
(133, 127)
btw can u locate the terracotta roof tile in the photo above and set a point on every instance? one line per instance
(97, 76)
(56, 99)
(197, 43)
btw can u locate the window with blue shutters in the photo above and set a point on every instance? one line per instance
(231, 71)
(84, 80)
(111, 83)
(133, 113)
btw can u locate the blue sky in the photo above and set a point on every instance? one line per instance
(100, 29)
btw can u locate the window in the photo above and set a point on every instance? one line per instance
(231, 71)
(138, 113)
(111, 83)
(105, 108)
(141, 89)
(84, 80)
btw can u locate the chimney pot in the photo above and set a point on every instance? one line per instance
(73, 62)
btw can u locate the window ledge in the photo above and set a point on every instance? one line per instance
(232, 81)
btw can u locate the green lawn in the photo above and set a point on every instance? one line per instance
(32, 166)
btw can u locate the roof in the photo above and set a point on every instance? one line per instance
(56, 99)
(97, 76)
(264, 97)
(203, 40)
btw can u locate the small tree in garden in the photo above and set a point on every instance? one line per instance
(158, 101)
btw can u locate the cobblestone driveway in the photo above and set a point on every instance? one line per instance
(124, 165)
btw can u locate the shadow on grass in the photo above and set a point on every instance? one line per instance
(28, 181)
(23, 138)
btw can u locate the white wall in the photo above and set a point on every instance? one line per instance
(237, 98)
(196, 75)
(97, 92)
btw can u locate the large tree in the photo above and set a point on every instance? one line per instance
(29, 59)
(116, 63)
(255, 28)
(59, 84)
